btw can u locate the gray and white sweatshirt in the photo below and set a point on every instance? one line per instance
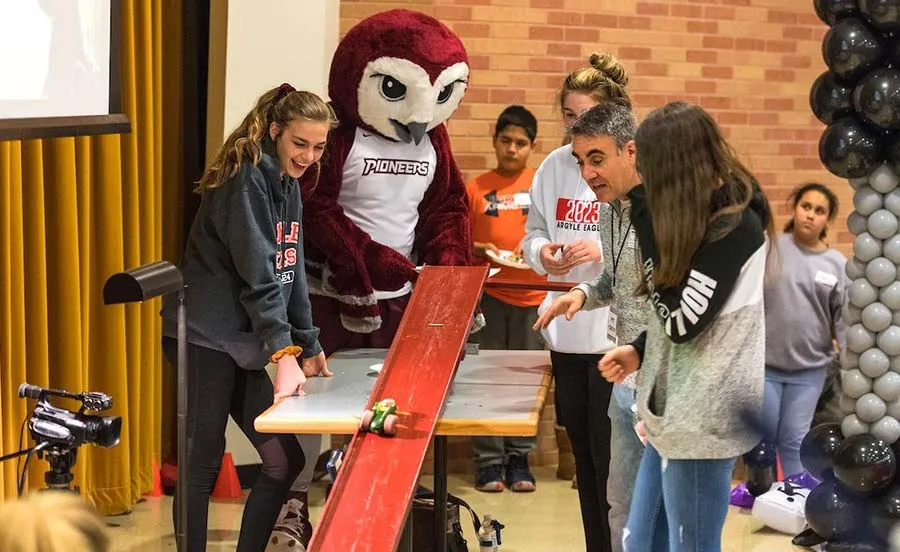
(700, 386)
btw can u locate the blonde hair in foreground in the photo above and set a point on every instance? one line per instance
(51, 521)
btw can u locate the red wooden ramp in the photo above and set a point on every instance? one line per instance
(367, 507)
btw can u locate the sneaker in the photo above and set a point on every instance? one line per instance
(294, 520)
(518, 476)
(489, 478)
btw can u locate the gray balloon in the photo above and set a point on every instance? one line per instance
(867, 201)
(887, 429)
(893, 409)
(870, 408)
(889, 296)
(856, 269)
(851, 314)
(889, 341)
(855, 384)
(853, 426)
(882, 224)
(862, 293)
(849, 359)
(880, 271)
(857, 183)
(847, 404)
(896, 318)
(890, 248)
(892, 202)
(876, 317)
(874, 363)
(883, 179)
(857, 224)
(895, 364)
(888, 387)
(859, 339)
(867, 247)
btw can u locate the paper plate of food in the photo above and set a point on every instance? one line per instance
(508, 258)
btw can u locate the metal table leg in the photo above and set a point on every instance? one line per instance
(440, 493)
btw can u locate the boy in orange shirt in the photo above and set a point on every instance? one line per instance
(500, 202)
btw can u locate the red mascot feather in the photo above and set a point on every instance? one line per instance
(388, 195)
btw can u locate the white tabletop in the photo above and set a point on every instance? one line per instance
(494, 393)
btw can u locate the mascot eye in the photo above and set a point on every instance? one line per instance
(446, 93)
(392, 89)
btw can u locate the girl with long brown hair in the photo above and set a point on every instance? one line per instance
(248, 303)
(701, 221)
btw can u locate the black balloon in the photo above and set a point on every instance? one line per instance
(830, 98)
(832, 513)
(886, 512)
(883, 14)
(830, 11)
(850, 150)
(851, 49)
(865, 463)
(761, 468)
(819, 447)
(877, 98)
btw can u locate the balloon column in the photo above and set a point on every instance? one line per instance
(858, 98)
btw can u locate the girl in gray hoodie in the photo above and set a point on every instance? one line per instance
(700, 220)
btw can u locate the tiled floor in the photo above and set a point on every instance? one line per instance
(546, 520)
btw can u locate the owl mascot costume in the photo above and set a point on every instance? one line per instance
(388, 195)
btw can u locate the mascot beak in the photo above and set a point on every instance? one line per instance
(413, 132)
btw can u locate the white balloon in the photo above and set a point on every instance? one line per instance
(876, 317)
(880, 271)
(857, 183)
(851, 314)
(870, 408)
(892, 202)
(861, 293)
(893, 409)
(857, 224)
(889, 341)
(890, 248)
(859, 338)
(849, 359)
(874, 363)
(867, 201)
(887, 429)
(855, 384)
(889, 296)
(882, 224)
(867, 247)
(883, 179)
(847, 404)
(852, 426)
(888, 387)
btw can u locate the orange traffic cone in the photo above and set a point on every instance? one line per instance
(157, 490)
(228, 486)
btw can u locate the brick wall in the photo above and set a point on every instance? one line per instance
(749, 62)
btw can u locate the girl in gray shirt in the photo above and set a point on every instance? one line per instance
(802, 308)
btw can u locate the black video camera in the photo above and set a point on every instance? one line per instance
(58, 426)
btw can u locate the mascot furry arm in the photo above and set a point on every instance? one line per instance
(395, 78)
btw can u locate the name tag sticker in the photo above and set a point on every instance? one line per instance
(826, 279)
(611, 333)
(522, 200)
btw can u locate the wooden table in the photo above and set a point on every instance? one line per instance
(495, 393)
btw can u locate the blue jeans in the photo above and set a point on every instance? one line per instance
(625, 453)
(678, 505)
(789, 404)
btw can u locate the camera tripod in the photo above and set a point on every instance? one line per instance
(61, 459)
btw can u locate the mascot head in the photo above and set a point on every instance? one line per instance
(399, 73)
